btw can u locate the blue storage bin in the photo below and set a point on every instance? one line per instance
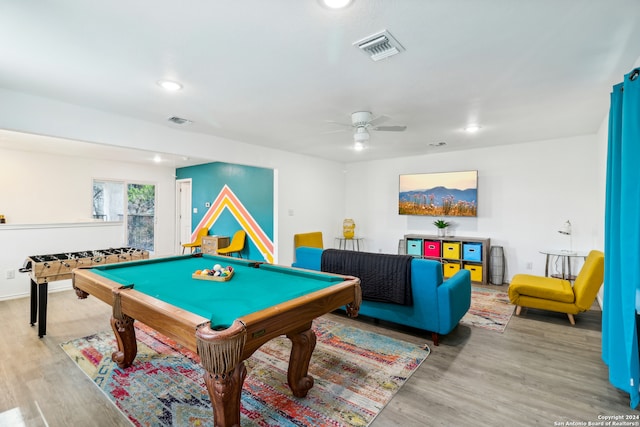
(414, 247)
(472, 251)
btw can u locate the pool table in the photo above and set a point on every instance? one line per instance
(224, 321)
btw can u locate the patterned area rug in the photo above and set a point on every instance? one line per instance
(356, 374)
(490, 309)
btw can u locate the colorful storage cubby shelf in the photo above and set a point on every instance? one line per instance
(455, 253)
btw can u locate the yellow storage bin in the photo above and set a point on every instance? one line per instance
(476, 272)
(451, 250)
(449, 269)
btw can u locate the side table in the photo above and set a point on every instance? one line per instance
(355, 243)
(565, 258)
(211, 244)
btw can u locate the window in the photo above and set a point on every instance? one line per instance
(141, 207)
(110, 199)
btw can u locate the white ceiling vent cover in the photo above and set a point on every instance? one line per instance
(380, 45)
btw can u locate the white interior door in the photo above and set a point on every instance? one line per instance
(183, 210)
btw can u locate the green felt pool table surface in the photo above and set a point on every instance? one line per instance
(249, 290)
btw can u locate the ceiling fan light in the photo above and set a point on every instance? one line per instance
(358, 146)
(472, 128)
(361, 134)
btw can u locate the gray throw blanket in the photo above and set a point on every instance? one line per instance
(383, 277)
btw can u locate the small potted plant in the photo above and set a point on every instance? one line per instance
(442, 225)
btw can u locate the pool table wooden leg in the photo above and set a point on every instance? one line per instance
(302, 347)
(225, 392)
(127, 344)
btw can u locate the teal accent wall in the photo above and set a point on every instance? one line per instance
(253, 186)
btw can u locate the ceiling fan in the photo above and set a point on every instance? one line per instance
(363, 122)
(364, 119)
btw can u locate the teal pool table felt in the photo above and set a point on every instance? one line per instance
(250, 289)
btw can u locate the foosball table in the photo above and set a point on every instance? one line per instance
(43, 269)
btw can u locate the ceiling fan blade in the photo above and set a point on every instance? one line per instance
(390, 128)
(378, 120)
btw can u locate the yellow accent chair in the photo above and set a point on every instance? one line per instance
(548, 293)
(196, 244)
(236, 245)
(310, 240)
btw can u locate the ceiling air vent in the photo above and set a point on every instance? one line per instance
(179, 120)
(379, 46)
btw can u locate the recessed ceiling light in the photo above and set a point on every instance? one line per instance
(472, 128)
(157, 158)
(169, 85)
(335, 4)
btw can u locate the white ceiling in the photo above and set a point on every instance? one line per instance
(277, 73)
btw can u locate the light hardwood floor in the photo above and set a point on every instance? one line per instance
(540, 371)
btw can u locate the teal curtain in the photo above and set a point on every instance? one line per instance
(622, 239)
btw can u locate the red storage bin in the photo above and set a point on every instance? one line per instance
(431, 249)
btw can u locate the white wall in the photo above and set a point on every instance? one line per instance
(525, 193)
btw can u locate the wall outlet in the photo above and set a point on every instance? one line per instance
(11, 274)
(529, 265)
